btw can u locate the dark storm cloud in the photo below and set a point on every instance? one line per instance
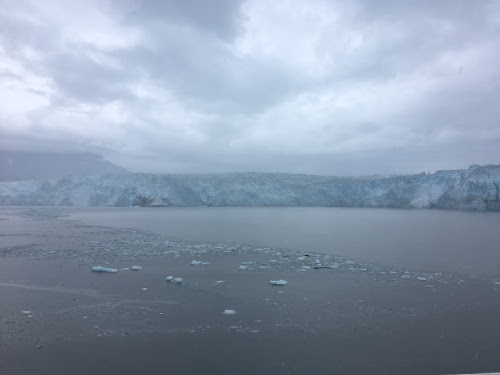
(358, 87)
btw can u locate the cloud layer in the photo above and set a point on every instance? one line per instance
(329, 87)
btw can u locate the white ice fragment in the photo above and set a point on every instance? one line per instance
(422, 278)
(125, 269)
(306, 267)
(169, 278)
(278, 282)
(301, 258)
(178, 280)
(196, 262)
(136, 268)
(229, 312)
(335, 265)
(26, 312)
(219, 282)
(242, 268)
(264, 267)
(247, 263)
(405, 276)
(317, 261)
(205, 263)
(273, 260)
(144, 288)
(103, 269)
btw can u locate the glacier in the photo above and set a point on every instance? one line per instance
(474, 188)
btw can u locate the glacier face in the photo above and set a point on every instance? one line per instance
(476, 188)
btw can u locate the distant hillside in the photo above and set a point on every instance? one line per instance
(475, 188)
(17, 166)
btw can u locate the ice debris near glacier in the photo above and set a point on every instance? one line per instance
(278, 282)
(475, 188)
(104, 269)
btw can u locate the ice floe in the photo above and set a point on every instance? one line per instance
(178, 280)
(229, 312)
(136, 268)
(103, 269)
(278, 282)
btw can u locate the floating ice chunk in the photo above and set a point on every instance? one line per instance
(335, 265)
(247, 263)
(319, 266)
(169, 278)
(26, 312)
(229, 312)
(306, 267)
(196, 262)
(278, 282)
(219, 282)
(125, 269)
(103, 269)
(273, 260)
(144, 288)
(405, 276)
(264, 267)
(178, 280)
(317, 261)
(243, 268)
(301, 258)
(136, 268)
(422, 278)
(496, 282)
(205, 263)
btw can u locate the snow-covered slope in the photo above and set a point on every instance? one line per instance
(475, 188)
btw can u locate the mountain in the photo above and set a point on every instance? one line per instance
(16, 166)
(475, 188)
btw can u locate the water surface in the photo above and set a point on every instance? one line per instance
(425, 240)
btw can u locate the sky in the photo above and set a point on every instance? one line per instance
(357, 87)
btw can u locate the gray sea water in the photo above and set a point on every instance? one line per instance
(466, 243)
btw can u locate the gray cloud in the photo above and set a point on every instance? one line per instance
(313, 87)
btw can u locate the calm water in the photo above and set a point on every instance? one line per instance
(426, 240)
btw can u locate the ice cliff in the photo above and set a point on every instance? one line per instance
(476, 188)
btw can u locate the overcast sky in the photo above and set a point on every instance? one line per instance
(325, 87)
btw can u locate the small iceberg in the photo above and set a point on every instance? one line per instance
(247, 263)
(219, 282)
(169, 278)
(136, 268)
(422, 278)
(196, 262)
(241, 268)
(229, 312)
(125, 269)
(103, 269)
(26, 312)
(178, 280)
(278, 282)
